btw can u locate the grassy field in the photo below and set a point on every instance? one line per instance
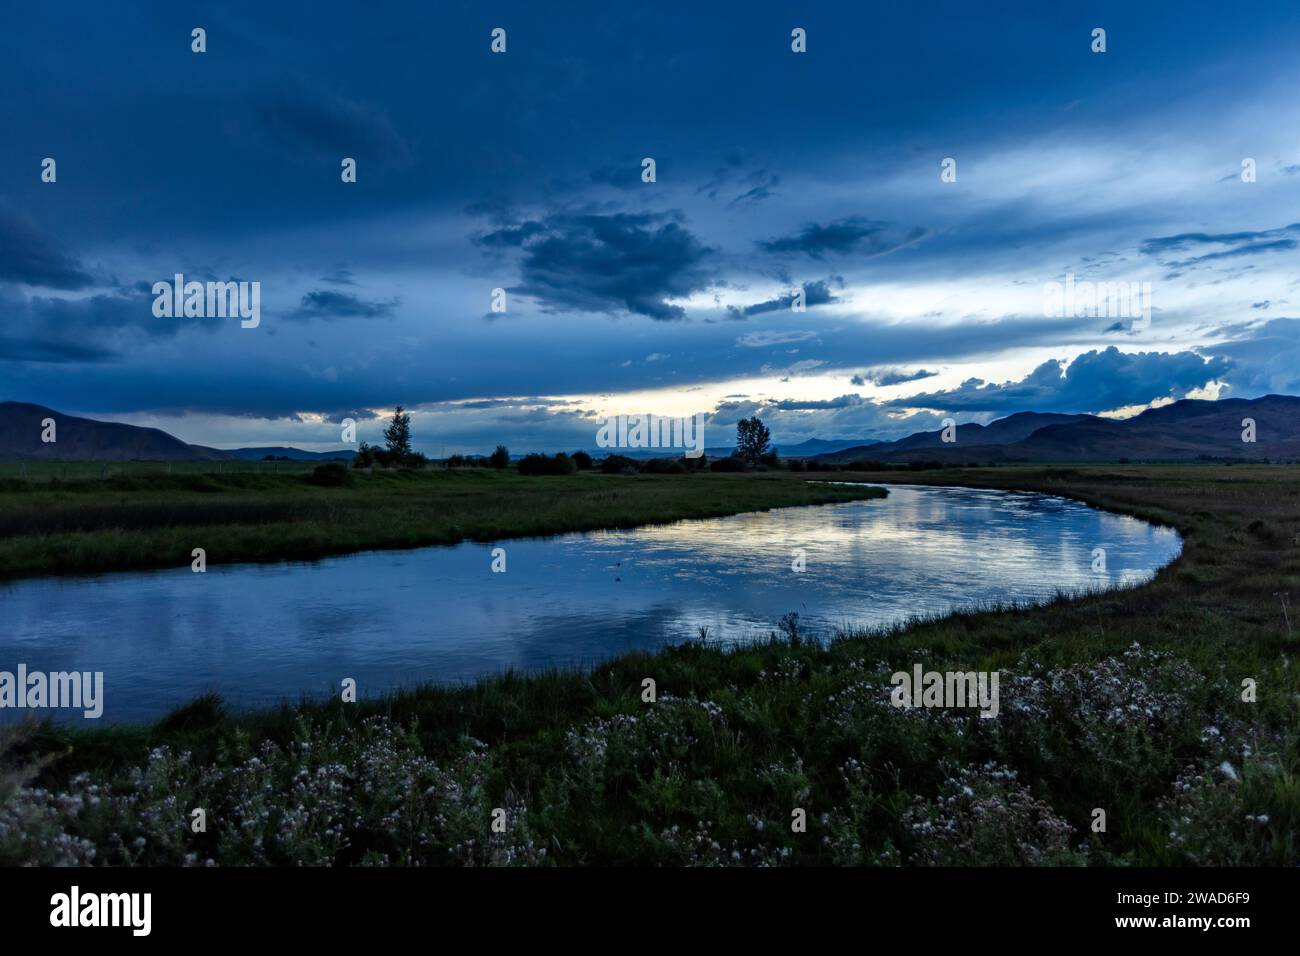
(156, 519)
(1129, 703)
(46, 471)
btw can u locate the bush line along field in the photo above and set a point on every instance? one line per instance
(156, 520)
(1129, 702)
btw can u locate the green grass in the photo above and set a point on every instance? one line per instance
(44, 471)
(156, 519)
(1129, 702)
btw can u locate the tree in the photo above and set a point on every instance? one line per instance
(619, 465)
(752, 439)
(365, 456)
(500, 458)
(534, 464)
(398, 436)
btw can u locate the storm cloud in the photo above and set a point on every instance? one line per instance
(842, 237)
(621, 262)
(1094, 382)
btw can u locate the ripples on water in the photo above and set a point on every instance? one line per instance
(261, 633)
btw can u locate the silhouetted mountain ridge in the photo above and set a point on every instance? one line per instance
(22, 426)
(1185, 430)
(259, 453)
(821, 446)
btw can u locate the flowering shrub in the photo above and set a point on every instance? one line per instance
(1121, 725)
(1237, 807)
(310, 803)
(803, 759)
(983, 815)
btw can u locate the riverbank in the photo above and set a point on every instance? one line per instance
(133, 521)
(1129, 703)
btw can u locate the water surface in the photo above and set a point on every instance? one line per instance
(259, 633)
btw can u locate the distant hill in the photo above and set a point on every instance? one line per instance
(719, 452)
(293, 454)
(1181, 431)
(804, 449)
(1185, 430)
(822, 446)
(1004, 431)
(84, 439)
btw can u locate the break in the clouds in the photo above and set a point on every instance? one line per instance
(776, 172)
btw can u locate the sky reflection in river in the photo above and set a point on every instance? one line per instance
(261, 633)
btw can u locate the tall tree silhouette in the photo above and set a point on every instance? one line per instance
(398, 435)
(752, 439)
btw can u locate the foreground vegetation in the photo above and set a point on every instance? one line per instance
(1128, 702)
(156, 519)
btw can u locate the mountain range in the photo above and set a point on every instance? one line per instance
(822, 446)
(293, 454)
(1185, 430)
(804, 449)
(23, 425)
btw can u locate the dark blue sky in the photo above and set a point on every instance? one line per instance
(521, 170)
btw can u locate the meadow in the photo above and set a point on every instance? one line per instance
(147, 519)
(1173, 709)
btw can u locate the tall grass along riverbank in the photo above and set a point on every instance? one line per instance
(1173, 709)
(133, 521)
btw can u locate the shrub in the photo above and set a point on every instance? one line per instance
(561, 464)
(666, 466)
(365, 456)
(985, 814)
(17, 771)
(322, 798)
(500, 458)
(618, 465)
(728, 464)
(332, 474)
(582, 460)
